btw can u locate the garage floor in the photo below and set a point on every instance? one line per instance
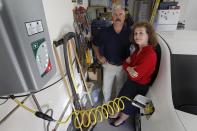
(105, 126)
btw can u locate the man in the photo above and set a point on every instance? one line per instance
(111, 47)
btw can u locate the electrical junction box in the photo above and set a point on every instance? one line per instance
(27, 62)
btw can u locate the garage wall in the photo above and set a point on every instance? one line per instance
(188, 14)
(60, 21)
(59, 17)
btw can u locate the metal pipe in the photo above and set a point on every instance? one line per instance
(36, 102)
(62, 115)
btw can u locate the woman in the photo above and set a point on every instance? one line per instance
(139, 67)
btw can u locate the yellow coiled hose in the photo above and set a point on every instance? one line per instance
(92, 116)
(85, 118)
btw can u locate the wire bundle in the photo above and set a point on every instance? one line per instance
(85, 118)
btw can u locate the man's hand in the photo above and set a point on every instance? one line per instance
(132, 72)
(102, 59)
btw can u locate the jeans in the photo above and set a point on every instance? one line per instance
(130, 90)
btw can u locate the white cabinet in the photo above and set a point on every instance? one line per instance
(167, 20)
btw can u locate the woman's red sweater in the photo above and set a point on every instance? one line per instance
(144, 64)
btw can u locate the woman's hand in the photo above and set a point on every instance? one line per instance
(128, 60)
(132, 72)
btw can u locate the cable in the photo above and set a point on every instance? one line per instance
(4, 102)
(1, 97)
(22, 105)
(50, 85)
(12, 111)
(8, 97)
(48, 124)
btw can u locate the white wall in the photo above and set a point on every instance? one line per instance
(59, 17)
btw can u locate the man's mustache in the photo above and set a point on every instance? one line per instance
(118, 20)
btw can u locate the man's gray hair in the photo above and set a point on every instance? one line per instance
(115, 7)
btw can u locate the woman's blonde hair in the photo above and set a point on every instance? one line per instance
(152, 39)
